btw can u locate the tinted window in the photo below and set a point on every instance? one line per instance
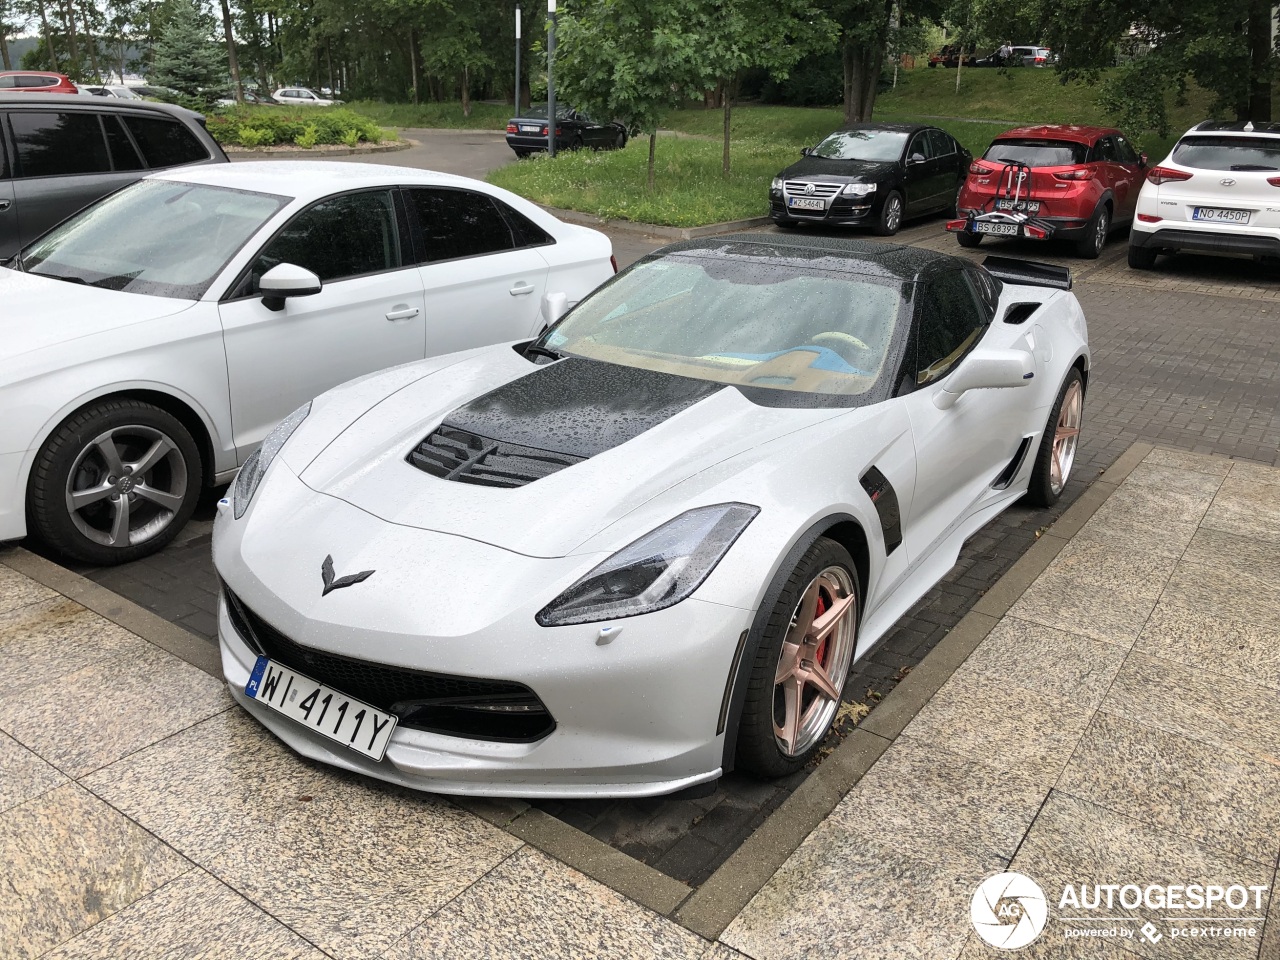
(1124, 151)
(943, 145)
(1104, 151)
(165, 143)
(59, 144)
(950, 323)
(8, 82)
(4, 160)
(527, 233)
(458, 223)
(920, 145)
(1229, 153)
(1038, 153)
(37, 81)
(338, 238)
(123, 153)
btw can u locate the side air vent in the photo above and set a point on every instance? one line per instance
(453, 454)
(885, 498)
(1019, 312)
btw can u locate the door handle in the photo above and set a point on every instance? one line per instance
(521, 288)
(402, 313)
(4, 204)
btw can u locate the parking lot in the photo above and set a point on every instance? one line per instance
(1187, 356)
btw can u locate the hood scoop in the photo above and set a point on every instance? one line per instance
(552, 418)
(452, 454)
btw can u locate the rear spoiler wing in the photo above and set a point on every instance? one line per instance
(1031, 273)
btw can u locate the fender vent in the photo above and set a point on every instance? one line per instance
(1018, 312)
(453, 454)
(885, 498)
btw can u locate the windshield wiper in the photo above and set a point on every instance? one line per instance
(1251, 166)
(59, 276)
(539, 350)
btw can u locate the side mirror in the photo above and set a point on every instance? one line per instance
(554, 306)
(915, 158)
(986, 369)
(286, 280)
(805, 151)
(1142, 159)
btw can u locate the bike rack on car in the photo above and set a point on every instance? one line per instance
(1013, 187)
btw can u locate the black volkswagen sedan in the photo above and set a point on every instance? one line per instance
(876, 174)
(527, 133)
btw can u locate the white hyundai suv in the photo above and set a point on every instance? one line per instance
(1217, 192)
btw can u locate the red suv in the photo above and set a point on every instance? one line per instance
(1083, 180)
(35, 81)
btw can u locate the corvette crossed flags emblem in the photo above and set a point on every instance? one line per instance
(326, 574)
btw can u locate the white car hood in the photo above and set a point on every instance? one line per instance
(640, 436)
(40, 312)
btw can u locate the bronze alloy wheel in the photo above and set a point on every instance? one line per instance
(1066, 436)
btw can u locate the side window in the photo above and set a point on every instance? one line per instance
(165, 143)
(458, 223)
(943, 145)
(1124, 151)
(9, 82)
(920, 144)
(58, 144)
(124, 156)
(950, 323)
(337, 238)
(527, 233)
(1104, 151)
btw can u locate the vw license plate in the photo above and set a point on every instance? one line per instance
(1022, 206)
(999, 229)
(807, 203)
(1219, 215)
(329, 713)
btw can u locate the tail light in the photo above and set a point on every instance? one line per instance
(979, 167)
(543, 131)
(1159, 175)
(613, 262)
(511, 128)
(1274, 181)
(1148, 218)
(1084, 173)
(1040, 59)
(558, 131)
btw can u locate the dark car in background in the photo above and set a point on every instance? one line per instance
(527, 133)
(58, 154)
(877, 174)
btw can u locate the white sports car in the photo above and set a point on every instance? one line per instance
(646, 547)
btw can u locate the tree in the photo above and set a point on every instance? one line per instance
(186, 57)
(629, 60)
(454, 42)
(868, 29)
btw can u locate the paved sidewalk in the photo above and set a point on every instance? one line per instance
(1114, 722)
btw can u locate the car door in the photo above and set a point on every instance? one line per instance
(1129, 177)
(367, 316)
(960, 451)
(920, 174)
(948, 165)
(63, 162)
(8, 211)
(481, 284)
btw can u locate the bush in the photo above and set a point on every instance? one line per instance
(307, 127)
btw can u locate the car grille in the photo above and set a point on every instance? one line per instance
(453, 454)
(825, 191)
(456, 706)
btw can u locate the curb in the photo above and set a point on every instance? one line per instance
(235, 153)
(654, 229)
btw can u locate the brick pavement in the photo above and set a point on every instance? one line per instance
(1179, 358)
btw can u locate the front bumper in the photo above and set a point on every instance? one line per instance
(1205, 240)
(841, 210)
(636, 716)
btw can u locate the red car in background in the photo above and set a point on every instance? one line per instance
(35, 81)
(1084, 181)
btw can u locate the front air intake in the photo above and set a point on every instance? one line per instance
(453, 454)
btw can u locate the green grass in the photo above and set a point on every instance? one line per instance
(448, 116)
(690, 190)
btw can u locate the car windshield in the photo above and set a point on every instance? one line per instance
(861, 145)
(1229, 153)
(786, 324)
(1038, 153)
(159, 237)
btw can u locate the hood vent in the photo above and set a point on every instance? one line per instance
(453, 454)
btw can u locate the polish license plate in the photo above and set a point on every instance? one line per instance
(998, 229)
(331, 714)
(1022, 206)
(527, 128)
(1219, 215)
(807, 203)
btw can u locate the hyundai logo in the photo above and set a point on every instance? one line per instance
(810, 189)
(1227, 182)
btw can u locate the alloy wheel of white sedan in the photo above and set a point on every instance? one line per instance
(648, 546)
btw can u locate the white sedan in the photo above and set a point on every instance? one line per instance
(150, 343)
(646, 547)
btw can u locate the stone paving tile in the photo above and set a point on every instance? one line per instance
(1255, 473)
(1074, 841)
(193, 917)
(1230, 555)
(1215, 795)
(348, 863)
(1235, 648)
(1246, 508)
(1186, 460)
(533, 906)
(23, 775)
(18, 591)
(144, 697)
(1051, 945)
(1221, 592)
(67, 861)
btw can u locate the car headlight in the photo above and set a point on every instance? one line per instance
(655, 572)
(255, 468)
(859, 189)
(776, 186)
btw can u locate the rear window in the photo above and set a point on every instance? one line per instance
(1038, 153)
(1228, 153)
(165, 143)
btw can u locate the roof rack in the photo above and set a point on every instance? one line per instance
(1031, 273)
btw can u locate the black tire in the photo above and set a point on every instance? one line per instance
(620, 141)
(1141, 258)
(522, 154)
(891, 212)
(1089, 247)
(757, 749)
(577, 143)
(69, 460)
(1040, 492)
(969, 240)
